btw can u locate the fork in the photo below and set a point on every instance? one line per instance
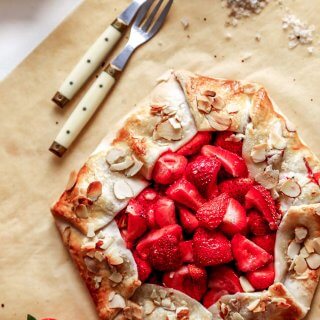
(142, 30)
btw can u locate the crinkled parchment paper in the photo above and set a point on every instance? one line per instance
(36, 274)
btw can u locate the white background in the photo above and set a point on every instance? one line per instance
(24, 24)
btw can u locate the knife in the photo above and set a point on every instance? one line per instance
(140, 33)
(95, 55)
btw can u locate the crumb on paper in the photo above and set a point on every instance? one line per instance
(185, 22)
(257, 37)
(246, 57)
(228, 36)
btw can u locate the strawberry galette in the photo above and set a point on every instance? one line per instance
(203, 205)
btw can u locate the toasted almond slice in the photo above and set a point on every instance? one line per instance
(208, 93)
(132, 171)
(252, 305)
(309, 245)
(111, 295)
(114, 259)
(122, 190)
(72, 180)
(293, 249)
(82, 211)
(90, 232)
(316, 244)
(175, 123)
(291, 188)
(246, 285)
(166, 131)
(166, 303)
(148, 307)
(204, 104)
(107, 242)
(217, 103)
(313, 261)
(300, 234)
(268, 178)
(277, 141)
(116, 277)
(259, 153)
(300, 265)
(304, 253)
(114, 155)
(117, 302)
(91, 264)
(94, 190)
(218, 122)
(123, 165)
(235, 137)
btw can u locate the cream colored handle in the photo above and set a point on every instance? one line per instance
(90, 62)
(85, 109)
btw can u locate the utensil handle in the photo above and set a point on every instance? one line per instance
(91, 60)
(83, 112)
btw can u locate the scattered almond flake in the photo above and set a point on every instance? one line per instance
(219, 122)
(299, 32)
(276, 141)
(122, 190)
(115, 259)
(72, 180)
(148, 307)
(116, 277)
(236, 316)
(291, 127)
(114, 155)
(291, 188)
(259, 153)
(293, 249)
(162, 293)
(123, 165)
(90, 232)
(97, 280)
(132, 171)
(304, 253)
(91, 264)
(166, 302)
(313, 261)
(185, 22)
(246, 285)
(309, 245)
(269, 178)
(117, 302)
(300, 234)
(166, 131)
(107, 242)
(175, 123)
(94, 190)
(88, 245)
(252, 305)
(203, 104)
(101, 235)
(235, 137)
(300, 265)
(111, 295)
(82, 211)
(316, 244)
(274, 156)
(99, 256)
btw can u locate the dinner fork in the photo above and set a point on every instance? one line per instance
(145, 26)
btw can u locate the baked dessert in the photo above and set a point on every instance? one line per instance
(204, 204)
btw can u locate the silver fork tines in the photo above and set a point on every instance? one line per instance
(143, 29)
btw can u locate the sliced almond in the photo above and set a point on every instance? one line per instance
(252, 305)
(246, 285)
(259, 153)
(208, 93)
(94, 190)
(97, 280)
(175, 123)
(90, 232)
(166, 131)
(107, 242)
(291, 188)
(309, 245)
(300, 234)
(235, 137)
(111, 295)
(122, 190)
(313, 261)
(123, 165)
(91, 264)
(115, 259)
(116, 277)
(117, 302)
(217, 103)
(114, 155)
(72, 180)
(304, 253)
(293, 249)
(232, 108)
(274, 157)
(219, 122)
(166, 303)
(277, 141)
(300, 265)
(316, 245)
(204, 104)
(148, 307)
(269, 178)
(132, 171)
(99, 256)
(236, 316)
(82, 211)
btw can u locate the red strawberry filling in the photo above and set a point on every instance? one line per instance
(203, 223)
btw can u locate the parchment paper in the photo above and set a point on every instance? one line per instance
(36, 274)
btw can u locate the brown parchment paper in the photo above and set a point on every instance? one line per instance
(36, 274)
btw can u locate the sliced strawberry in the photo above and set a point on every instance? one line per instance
(189, 279)
(186, 250)
(235, 219)
(237, 188)
(211, 213)
(248, 256)
(169, 167)
(266, 242)
(211, 248)
(144, 268)
(184, 192)
(212, 191)
(231, 162)
(224, 141)
(143, 247)
(262, 278)
(203, 171)
(188, 220)
(212, 296)
(164, 253)
(164, 212)
(257, 224)
(195, 145)
(260, 198)
(147, 197)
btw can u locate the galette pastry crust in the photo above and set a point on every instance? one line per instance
(119, 169)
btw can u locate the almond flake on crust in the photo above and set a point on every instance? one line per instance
(72, 180)
(269, 178)
(122, 190)
(91, 264)
(165, 130)
(246, 285)
(291, 188)
(300, 234)
(116, 277)
(117, 302)
(313, 261)
(82, 211)
(254, 304)
(126, 163)
(236, 316)
(90, 233)
(94, 190)
(219, 121)
(300, 265)
(293, 249)
(276, 141)
(148, 307)
(133, 170)
(114, 155)
(235, 137)
(316, 244)
(259, 153)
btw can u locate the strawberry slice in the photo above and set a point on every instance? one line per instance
(211, 248)
(212, 296)
(185, 193)
(235, 219)
(257, 224)
(224, 141)
(164, 212)
(212, 191)
(260, 198)
(144, 246)
(188, 220)
(262, 278)
(169, 167)
(137, 222)
(195, 145)
(248, 256)
(236, 188)
(186, 250)
(231, 162)
(211, 213)
(144, 268)
(203, 171)
(266, 242)
(189, 279)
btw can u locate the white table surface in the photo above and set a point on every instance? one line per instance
(24, 24)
